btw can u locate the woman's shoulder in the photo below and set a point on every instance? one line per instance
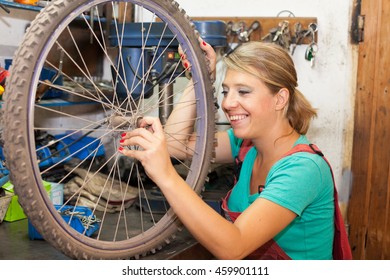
(305, 161)
(302, 168)
(302, 153)
(301, 162)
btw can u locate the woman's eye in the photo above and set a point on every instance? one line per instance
(224, 92)
(244, 91)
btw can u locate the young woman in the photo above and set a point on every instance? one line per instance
(282, 206)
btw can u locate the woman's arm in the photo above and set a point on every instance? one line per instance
(179, 127)
(255, 226)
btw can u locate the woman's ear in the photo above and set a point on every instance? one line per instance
(282, 98)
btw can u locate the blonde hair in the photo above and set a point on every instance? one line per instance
(274, 66)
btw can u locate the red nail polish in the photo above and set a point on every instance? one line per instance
(185, 65)
(120, 149)
(121, 141)
(182, 56)
(204, 43)
(123, 134)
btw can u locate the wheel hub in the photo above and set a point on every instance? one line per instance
(124, 122)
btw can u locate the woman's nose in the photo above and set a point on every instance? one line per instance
(229, 101)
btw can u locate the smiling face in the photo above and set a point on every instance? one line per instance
(249, 105)
(261, 92)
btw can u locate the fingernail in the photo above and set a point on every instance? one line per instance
(182, 56)
(122, 140)
(204, 43)
(123, 134)
(185, 65)
(120, 149)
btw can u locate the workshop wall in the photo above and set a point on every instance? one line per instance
(329, 85)
(12, 28)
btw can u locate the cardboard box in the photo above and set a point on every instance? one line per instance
(15, 211)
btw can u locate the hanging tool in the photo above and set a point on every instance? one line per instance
(312, 49)
(243, 34)
(297, 38)
(282, 36)
(311, 52)
(279, 35)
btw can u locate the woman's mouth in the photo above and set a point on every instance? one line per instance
(237, 117)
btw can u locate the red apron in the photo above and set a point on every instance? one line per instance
(272, 251)
(269, 251)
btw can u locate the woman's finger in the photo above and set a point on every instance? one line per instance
(131, 153)
(155, 124)
(210, 54)
(136, 141)
(138, 132)
(184, 61)
(149, 132)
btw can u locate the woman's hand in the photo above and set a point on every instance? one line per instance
(148, 145)
(210, 54)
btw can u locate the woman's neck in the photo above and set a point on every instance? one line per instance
(268, 153)
(271, 148)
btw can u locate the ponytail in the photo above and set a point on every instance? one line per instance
(300, 112)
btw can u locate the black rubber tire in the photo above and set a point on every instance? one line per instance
(21, 113)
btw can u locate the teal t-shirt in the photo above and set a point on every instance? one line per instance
(302, 183)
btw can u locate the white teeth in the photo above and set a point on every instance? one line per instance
(237, 117)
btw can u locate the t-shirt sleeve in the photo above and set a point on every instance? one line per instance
(294, 183)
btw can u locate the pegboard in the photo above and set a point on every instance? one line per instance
(266, 25)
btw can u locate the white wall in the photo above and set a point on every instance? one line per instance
(12, 28)
(330, 85)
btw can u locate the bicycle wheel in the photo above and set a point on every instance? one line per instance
(81, 77)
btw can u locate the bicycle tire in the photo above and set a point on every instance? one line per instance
(23, 115)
